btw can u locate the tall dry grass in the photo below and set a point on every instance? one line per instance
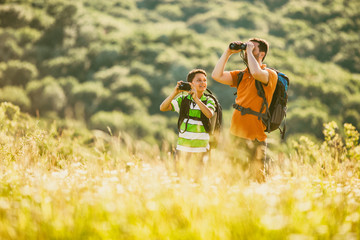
(60, 183)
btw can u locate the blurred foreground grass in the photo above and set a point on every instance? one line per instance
(61, 183)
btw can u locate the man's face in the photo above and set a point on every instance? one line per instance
(200, 82)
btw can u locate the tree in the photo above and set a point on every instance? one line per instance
(64, 17)
(17, 73)
(14, 16)
(136, 85)
(15, 95)
(46, 95)
(9, 49)
(75, 64)
(111, 75)
(124, 102)
(104, 56)
(91, 95)
(115, 120)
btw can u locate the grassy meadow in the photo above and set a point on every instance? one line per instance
(61, 183)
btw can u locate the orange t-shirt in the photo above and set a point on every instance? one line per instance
(248, 126)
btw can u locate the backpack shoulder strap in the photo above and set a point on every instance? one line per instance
(240, 77)
(184, 111)
(204, 119)
(265, 104)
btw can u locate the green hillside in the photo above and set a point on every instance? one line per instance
(110, 63)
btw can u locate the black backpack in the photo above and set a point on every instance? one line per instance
(276, 111)
(212, 126)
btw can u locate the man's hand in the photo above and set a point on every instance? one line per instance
(232, 51)
(250, 47)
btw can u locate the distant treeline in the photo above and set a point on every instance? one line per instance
(111, 63)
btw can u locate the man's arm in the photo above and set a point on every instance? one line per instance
(218, 73)
(254, 67)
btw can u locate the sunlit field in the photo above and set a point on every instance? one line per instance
(60, 183)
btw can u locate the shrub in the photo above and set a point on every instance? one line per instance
(88, 92)
(352, 116)
(74, 64)
(27, 36)
(91, 95)
(307, 120)
(102, 120)
(126, 103)
(352, 142)
(170, 11)
(46, 95)
(137, 85)
(9, 49)
(107, 56)
(111, 75)
(16, 96)
(68, 84)
(14, 16)
(17, 73)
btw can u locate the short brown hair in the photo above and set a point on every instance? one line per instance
(263, 45)
(193, 72)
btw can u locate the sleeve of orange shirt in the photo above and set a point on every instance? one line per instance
(272, 80)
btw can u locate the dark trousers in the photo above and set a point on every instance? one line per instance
(251, 154)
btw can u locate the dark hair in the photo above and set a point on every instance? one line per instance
(263, 45)
(193, 72)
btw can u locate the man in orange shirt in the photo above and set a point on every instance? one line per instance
(248, 129)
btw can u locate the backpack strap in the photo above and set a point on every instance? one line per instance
(266, 116)
(184, 112)
(205, 121)
(263, 116)
(239, 79)
(244, 111)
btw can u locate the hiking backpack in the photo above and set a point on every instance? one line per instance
(276, 111)
(212, 126)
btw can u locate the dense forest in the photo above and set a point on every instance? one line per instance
(109, 64)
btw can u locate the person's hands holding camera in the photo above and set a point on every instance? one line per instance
(186, 87)
(182, 86)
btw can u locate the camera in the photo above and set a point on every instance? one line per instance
(185, 86)
(236, 46)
